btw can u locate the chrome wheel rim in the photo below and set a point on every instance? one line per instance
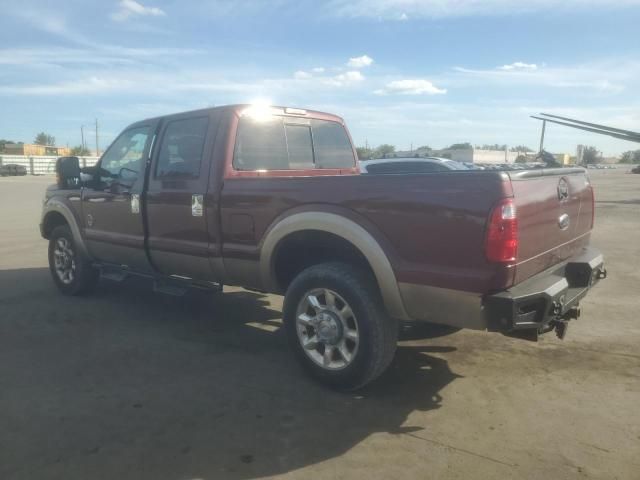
(327, 329)
(64, 261)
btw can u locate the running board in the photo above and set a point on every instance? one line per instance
(175, 285)
(178, 288)
(114, 274)
(169, 288)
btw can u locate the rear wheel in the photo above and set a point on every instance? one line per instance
(72, 273)
(337, 326)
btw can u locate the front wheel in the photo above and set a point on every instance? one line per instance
(72, 273)
(337, 326)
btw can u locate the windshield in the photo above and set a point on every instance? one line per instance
(453, 165)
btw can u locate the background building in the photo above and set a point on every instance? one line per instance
(35, 150)
(476, 155)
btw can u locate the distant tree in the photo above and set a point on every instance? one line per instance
(632, 156)
(80, 151)
(521, 159)
(446, 155)
(424, 148)
(494, 146)
(520, 148)
(590, 155)
(461, 146)
(44, 139)
(4, 143)
(384, 151)
(364, 153)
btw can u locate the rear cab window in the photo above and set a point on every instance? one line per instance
(181, 148)
(290, 143)
(332, 145)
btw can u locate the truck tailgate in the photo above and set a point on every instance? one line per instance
(555, 216)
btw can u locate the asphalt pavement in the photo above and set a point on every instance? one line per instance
(130, 384)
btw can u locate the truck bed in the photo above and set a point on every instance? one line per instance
(431, 226)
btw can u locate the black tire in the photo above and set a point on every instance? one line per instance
(84, 277)
(377, 332)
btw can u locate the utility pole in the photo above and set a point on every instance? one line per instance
(544, 126)
(82, 135)
(97, 148)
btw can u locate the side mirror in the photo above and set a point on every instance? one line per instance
(88, 175)
(68, 172)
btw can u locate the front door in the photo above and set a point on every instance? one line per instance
(112, 205)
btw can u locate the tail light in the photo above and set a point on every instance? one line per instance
(502, 233)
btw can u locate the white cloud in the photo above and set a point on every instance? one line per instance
(345, 79)
(101, 55)
(302, 75)
(360, 62)
(416, 86)
(388, 9)
(129, 8)
(519, 66)
(51, 22)
(172, 84)
(608, 77)
(92, 85)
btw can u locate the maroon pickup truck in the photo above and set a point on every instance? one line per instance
(271, 199)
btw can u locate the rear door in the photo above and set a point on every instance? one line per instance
(554, 210)
(178, 234)
(111, 207)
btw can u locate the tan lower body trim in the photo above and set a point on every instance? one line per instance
(442, 305)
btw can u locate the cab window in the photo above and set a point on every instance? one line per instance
(284, 143)
(181, 149)
(261, 145)
(123, 161)
(299, 146)
(331, 145)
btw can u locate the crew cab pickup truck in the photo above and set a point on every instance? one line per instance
(272, 199)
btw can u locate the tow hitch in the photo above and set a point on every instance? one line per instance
(561, 327)
(561, 324)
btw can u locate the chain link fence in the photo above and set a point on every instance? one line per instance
(41, 165)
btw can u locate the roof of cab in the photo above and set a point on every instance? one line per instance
(239, 108)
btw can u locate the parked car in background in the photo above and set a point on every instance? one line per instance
(12, 170)
(472, 166)
(410, 165)
(636, 169)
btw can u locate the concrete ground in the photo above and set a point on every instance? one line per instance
(128, 384)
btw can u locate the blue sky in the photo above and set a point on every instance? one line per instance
(430, 72)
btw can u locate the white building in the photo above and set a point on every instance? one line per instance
(475, 155)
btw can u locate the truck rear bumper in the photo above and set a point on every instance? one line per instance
(546, 301)
(537, 305)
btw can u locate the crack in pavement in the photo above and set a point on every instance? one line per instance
(462, 450)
